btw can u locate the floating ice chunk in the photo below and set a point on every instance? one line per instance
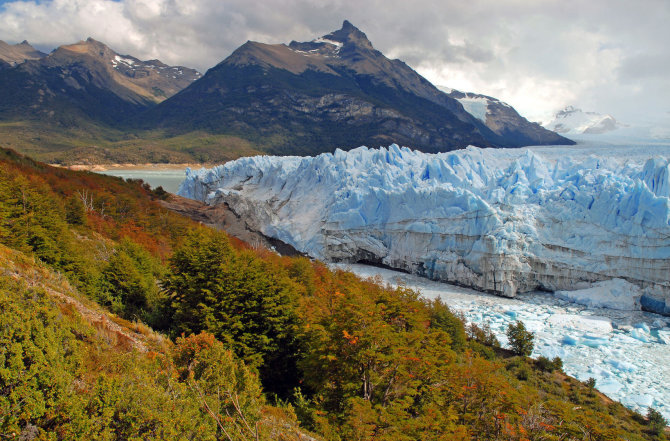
(609, 386)
(639, 334)
(594, 341)
(639, 400)
(664, 336)
(592, 323)
(613, 294)
(622, 365)
(659, 323)
(643, 326)
(511, 314)
(568, 340)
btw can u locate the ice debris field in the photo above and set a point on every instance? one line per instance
(627, 353)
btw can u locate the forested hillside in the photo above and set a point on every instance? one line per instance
(121, 320)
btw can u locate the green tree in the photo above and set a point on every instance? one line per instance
(75, 212)
(130, 283)
(225, 388)
(520, 339)
(443, 318)
(241, 299)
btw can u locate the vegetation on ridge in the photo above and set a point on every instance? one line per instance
(251, 345)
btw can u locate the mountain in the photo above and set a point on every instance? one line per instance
(18, 53)
(503, 120)
(577, 122)
(334, 91)
(87, 81)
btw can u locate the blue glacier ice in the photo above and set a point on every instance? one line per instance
(499, 220)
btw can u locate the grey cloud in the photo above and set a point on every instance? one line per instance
(538, 55)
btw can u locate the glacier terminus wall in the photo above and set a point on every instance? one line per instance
(504, 221)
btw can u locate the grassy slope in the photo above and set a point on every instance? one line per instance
(97, 144)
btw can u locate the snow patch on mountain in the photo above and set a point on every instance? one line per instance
(499, 220)
(476, 106)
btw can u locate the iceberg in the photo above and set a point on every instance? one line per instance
(503, 221)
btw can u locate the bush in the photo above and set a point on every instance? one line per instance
(520, 339)
(656, 421)
(546, 365)
(482, 335)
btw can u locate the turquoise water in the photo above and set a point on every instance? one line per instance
(169, 179)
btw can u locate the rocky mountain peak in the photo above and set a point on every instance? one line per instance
(350, 35)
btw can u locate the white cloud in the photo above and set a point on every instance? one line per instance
(604, 55)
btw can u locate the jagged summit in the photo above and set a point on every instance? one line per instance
(350, 34)
(86, 80)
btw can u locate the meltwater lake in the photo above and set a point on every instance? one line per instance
(157, 176)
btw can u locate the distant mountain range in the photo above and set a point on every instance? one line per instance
(301, 98)
(502, 119)
(573, 121)
(84, 81)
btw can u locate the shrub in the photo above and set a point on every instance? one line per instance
(482, 335)
(656, 421)
(546, 365)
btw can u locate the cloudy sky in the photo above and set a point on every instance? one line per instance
(608, 56)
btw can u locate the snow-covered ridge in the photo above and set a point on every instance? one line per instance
(499, 220)
(575, 121)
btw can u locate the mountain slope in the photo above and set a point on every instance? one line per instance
(18, 53)
(334, 91)
(87, 81)
(504, 121)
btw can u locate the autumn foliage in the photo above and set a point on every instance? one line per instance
(254, 345)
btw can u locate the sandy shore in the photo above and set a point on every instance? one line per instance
(147, 166)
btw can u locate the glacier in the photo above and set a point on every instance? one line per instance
(504, 221)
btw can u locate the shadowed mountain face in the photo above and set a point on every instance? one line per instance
(504, 121)
(334, 91)
(87, 81)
